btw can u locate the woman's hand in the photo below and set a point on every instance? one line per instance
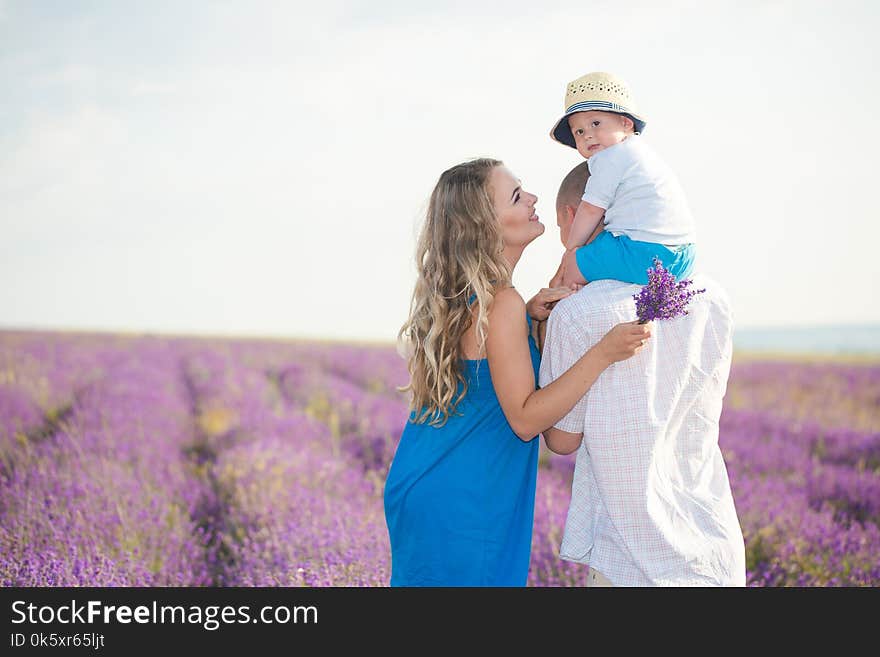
(624, 340)
(540, 305)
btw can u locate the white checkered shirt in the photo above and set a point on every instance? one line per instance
(650, 503)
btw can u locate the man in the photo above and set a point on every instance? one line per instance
(651, 503)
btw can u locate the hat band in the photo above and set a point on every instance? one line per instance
(587, 105)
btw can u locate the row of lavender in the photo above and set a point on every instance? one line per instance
(802, 442)
(168, 462)
(180, 461)
(93, 489)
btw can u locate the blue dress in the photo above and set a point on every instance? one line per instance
(460, 499)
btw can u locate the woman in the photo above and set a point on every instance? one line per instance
(460, 493)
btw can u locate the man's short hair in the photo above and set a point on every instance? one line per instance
(572, 187)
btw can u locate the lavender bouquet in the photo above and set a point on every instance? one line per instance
(663, 297)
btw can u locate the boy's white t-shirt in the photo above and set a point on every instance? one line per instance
(641, 195)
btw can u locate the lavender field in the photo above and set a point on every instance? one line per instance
(156, 461)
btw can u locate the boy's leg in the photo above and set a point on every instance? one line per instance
(627, 260)
(571, 273)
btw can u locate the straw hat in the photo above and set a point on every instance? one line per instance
(596, 91)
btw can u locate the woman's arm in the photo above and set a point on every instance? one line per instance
(531, 411)
(539, 307)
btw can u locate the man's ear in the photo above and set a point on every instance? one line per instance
(569, 214)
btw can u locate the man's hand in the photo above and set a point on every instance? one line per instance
(540, 305)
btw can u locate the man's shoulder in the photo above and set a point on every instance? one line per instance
(598, 297)
(610, 297)
(713, 292)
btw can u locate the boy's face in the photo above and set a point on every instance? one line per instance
(594, 131)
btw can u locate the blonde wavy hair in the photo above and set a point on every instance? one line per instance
(459, 256)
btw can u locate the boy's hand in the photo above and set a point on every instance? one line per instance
(540, 305)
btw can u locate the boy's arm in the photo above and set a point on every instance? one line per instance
(586, 219)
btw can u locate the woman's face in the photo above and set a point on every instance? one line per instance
(515, 208)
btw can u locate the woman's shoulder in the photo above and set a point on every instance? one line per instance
(507, 307)
(507, 299)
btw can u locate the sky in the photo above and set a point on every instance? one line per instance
(262, 168)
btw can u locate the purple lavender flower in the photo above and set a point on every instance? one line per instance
(207, 462)
(663, 297)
